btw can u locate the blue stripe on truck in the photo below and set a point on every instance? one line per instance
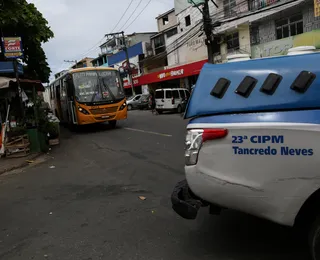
(301, 116)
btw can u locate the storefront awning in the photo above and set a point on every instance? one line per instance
(168, 74)
(24, 83)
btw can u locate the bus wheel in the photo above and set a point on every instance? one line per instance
(113, 123)
(314, 239)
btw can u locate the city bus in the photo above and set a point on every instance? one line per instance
(87, 96)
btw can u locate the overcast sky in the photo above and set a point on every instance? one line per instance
(79, 25)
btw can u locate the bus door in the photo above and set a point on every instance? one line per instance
(64, 100)
(58, 103)
(71, 109)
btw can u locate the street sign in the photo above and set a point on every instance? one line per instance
(196, 2)
(12, 47)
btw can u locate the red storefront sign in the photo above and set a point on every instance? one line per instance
(169, 74)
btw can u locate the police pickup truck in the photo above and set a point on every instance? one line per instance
(253, 142)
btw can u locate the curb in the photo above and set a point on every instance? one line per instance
(21, 165)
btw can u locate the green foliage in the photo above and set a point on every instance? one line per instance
(19, 18)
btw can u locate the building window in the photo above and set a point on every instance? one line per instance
(289, 26)
(187, 20)
(159, 44)
(254, 35)
(172, 32)
(165, 20)
(258, 4)
(233, 41)
(229, 7)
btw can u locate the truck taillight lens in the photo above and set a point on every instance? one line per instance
(172, 101)
(194, 140)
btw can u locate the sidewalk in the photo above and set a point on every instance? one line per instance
(9, 164)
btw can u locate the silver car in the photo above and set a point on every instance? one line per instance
(133, 101)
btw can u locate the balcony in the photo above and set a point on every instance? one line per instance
(259, 4)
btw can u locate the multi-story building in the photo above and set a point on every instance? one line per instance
(258, 28)
(115, 45)
(85, 62)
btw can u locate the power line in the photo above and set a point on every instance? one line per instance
(122, 16)
(138, 15)
(131, 15)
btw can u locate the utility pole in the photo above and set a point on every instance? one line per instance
(207, 25)
(72, 61)
(125, 49)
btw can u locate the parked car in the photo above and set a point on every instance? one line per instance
(133, 102)
(171, 99)
(144, 102)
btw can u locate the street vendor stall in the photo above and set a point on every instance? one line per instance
(27, 126)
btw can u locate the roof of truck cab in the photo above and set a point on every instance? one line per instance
(289, 67)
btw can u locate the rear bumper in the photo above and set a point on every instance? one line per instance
(184, 202)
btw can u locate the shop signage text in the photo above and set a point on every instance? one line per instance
(170, 74)
(12, 47)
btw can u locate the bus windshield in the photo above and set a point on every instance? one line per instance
(98, 86)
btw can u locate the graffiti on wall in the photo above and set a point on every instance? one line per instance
(280, 47)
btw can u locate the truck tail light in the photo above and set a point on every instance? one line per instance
(172, 100)
(194, 140)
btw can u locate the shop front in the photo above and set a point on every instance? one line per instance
(183, 76)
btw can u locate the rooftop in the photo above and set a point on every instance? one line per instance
(165, 14)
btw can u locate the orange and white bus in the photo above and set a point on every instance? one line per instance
(88, 95)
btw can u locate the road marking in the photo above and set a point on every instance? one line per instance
(147, 132)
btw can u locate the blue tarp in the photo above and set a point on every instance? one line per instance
(7, 67)
(289, 67)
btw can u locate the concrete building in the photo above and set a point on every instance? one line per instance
(85, 62)
(156, 58)
(259, 28)
(116, 44)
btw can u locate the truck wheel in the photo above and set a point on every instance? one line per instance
(129, 107)
(113, 123)
(314, 239)
(179, 109)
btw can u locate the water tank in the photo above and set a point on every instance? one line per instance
(301, 50)
(237, 57)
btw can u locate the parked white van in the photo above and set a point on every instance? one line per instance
(170, 99)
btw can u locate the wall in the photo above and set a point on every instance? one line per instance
(309, 21)
(244, 38)
(172, 22)
(139, 37)
(280, 47)
(193, 50)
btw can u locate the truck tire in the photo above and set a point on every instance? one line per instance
(314, 239)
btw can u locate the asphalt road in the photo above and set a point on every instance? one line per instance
(88, 205)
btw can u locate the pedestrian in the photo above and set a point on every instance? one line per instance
(153, 103)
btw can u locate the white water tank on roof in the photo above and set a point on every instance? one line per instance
(238, 57)
(301, 50)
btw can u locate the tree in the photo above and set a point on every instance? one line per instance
(19, 18)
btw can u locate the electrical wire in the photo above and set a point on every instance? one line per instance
(122, 16)
(138, 15)
(131, 15)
